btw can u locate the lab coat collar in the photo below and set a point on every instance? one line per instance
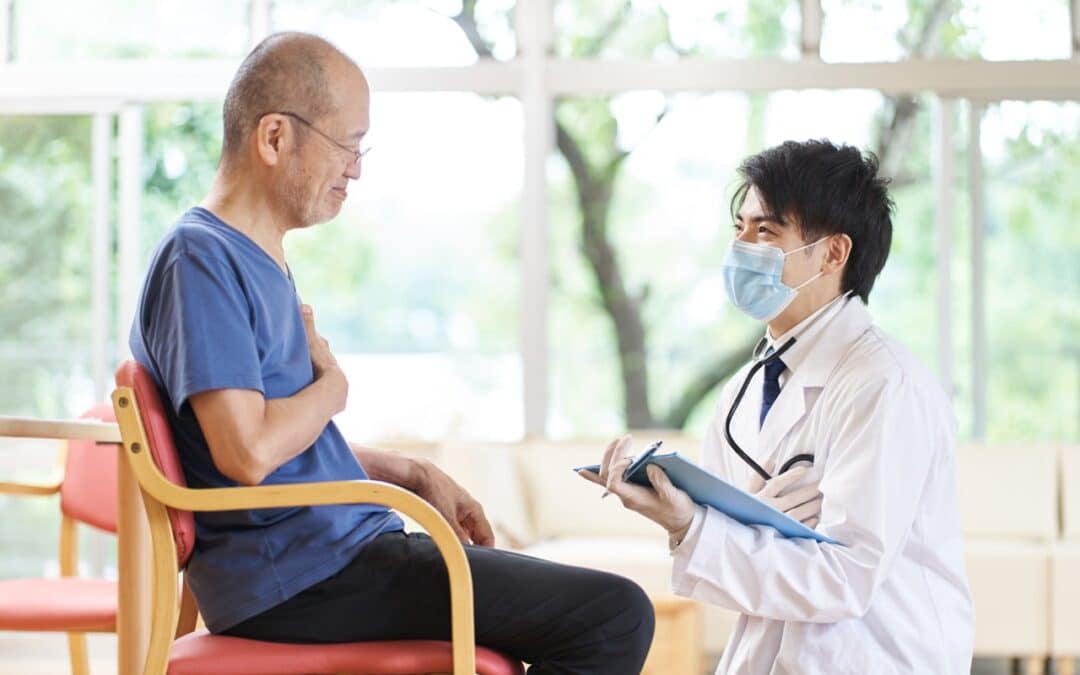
(811, 366)
(835, 339)
(806, 334)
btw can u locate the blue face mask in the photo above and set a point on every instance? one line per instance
(752, 274)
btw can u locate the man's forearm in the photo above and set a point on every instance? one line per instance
(291, 425)
(250, 437)
(390, 467)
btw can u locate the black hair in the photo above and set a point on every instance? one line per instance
(823, 189)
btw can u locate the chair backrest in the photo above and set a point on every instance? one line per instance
(155, 424)
(88, 491)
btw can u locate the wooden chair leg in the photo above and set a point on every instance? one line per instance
(189, 611)
(80, 662)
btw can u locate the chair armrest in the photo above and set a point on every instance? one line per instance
(35, 489)
(9, 425)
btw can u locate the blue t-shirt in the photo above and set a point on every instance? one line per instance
(217, 312)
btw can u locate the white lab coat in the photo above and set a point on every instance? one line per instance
(894, 598)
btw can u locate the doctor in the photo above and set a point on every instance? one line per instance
(835, 423)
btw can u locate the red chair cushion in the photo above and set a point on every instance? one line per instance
(66, 604)
(88, 493)
(156, 424)
(200, 653)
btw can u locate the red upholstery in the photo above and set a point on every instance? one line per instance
(156, 425)
(88, 493)
(200, 653)
(66, 604)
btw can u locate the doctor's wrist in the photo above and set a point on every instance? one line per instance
(678, 532)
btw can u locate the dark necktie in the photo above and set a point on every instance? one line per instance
(771, 387)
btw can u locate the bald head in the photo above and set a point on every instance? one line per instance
(290, 72)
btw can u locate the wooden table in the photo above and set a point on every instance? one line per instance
(133, 534)
(677, 644)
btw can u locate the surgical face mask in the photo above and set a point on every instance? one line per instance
(752, 274)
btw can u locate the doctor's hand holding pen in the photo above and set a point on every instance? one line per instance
(673, 509)
(664, 504)
(802, 503)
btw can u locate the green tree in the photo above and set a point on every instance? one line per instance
(44, 236)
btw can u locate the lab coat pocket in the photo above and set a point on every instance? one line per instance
(842, 648)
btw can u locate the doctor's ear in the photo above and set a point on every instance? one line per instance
(837, 251)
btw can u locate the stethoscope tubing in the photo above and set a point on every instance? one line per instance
(759, 363)
(735, 406)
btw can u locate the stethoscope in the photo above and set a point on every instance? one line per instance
(760, 363)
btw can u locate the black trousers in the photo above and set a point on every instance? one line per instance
(558, 618)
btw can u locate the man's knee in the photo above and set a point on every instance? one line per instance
(632, 620)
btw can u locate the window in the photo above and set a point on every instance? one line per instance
(45, 232)
(668, 31)
(416, 283)
(181, 149)
(1032, 152)
(45, 315)
(396, 33)
(54, 30)
(890, 30)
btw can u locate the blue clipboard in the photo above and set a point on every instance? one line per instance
(705, 488)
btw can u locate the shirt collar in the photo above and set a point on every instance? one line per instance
(806, 333)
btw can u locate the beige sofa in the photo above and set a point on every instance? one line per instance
(1065, 565)
(1008, 504)
(1023, 561)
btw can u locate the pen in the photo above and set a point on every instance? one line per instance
(637, 463)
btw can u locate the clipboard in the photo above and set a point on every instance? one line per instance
(709, 490)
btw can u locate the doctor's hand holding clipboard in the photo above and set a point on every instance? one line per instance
(673, 509)
(665, 504)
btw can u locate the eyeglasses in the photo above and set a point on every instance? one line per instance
(357, 155)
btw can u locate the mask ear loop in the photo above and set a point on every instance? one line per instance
(810, 280)
(801, 248)
(816, 276)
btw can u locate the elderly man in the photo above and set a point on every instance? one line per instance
(251, 388)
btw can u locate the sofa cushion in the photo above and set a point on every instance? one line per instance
(644, 560)
(1010, 586)
(1065, 609)
(1008, 491)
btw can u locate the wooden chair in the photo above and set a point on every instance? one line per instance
(85, 478)
(148, 445)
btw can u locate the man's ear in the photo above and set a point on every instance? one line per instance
(271, 138)
(837, 251)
